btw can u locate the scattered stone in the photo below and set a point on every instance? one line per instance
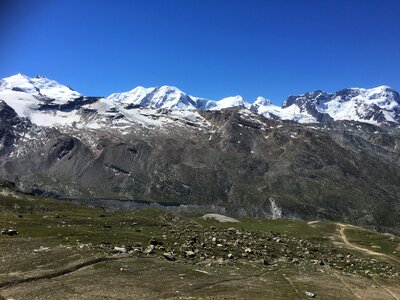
(9, 231)
(232, 230)
(169, 256)
(120, 249)
(190, 254)
(41, 249)
(263, 262)
(149, 249)
(192, 240)
(105, 245)
(238, 242)
(248, 251)
(155, 242)
(137, 250)
(310, 294)
(201, 271)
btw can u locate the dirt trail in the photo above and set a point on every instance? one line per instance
(345, 240)
(386, 289)
(347, 286)
(61, 272)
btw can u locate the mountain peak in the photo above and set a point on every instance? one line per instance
(39, 87)
(262, 101)
(170, 88)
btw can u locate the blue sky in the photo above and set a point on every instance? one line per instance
(208, 48)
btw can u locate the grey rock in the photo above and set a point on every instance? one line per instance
(169, 256)
(149, 249)
(9, 231)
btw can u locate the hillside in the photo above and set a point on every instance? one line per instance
(229, 160)
(66, 251)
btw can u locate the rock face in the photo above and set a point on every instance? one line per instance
(234, 159)
(11, 127)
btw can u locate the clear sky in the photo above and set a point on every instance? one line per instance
(207, 48)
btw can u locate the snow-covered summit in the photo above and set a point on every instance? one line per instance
(376, 105)
(167, 97)
(26, 95)
(39, 86)
(260, 102)
(227, 102)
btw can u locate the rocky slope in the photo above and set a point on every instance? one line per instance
(230, 159)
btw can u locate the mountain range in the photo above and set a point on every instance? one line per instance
(320, 155)
(33, 97)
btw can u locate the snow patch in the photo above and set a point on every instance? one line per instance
(220, 218)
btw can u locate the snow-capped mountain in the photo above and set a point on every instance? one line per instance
(169, 97)
(27, 95)
(380, 105)
(39, 86)
(46, 103)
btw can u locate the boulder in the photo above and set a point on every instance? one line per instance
(169, 256)
(9, 231)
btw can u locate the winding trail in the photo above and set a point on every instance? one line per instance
(346, 241)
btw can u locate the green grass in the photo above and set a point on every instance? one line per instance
(73, 234)
(374, 241)
(318, 232)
